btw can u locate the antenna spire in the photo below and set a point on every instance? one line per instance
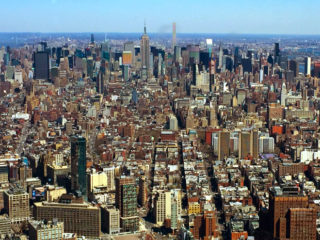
(145, 27)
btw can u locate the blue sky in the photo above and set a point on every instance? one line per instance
(191, 16)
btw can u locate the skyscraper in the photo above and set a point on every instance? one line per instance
(237, 57)
(16, 204)
(143, 191)
(162, 207)
(126, 202)
(78, 165)
(4, 173)
(283, 94)
(125, 72)
(244, 144)
(126, 58)
(288, 211)
(277, 53)
(302, 223)
(100, 82)
(173, 123)
(307, 66)
(294, 66)
(194, 53)
(316, 69)
(248, 144)
(41, 65)
(92, 38)
(224, 145)
(213, 115)
(220, 56)
(90, 66)
(110, 219)
(254, 143)
(266, 144)
(129, 46)
(145, 50)
(204, 225)
(173, 35)
(177, 53)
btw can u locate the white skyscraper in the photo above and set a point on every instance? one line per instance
(261, 76)
(307, 66)
(220, 56)
(283, 94)
(173, 35)
(173, 123)
(162, 206)
(266, 144)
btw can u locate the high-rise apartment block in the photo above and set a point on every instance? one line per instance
(126, 202)
(162, 207)
(223, 145)
(143, 191)
(5, 225)
(16, 204)
(203, 226)
(4, 173)
(248, 144)
(110, 219)
(289, 214)
(302, 223)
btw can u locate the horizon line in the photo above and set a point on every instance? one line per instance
(86, 32)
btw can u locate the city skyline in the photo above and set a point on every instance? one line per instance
(252, 17)
(159, 120)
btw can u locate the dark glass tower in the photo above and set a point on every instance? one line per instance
(277, 53)
(100, 83)
(41, 65)
(92, 38)
(78, 166)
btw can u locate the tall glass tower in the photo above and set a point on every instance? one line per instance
(41, 65)
(78, 166)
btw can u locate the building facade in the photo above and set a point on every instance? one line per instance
(16, 205)
(80, 218)
(41, 230)
(126, 202)
(78, 165)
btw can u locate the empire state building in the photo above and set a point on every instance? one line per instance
(145, 50)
